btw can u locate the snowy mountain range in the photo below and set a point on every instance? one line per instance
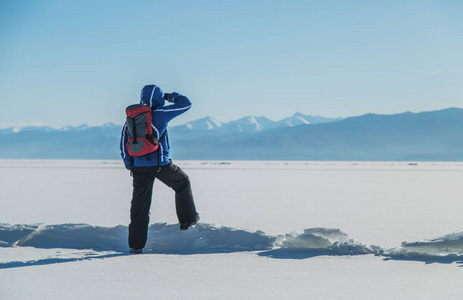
(25, 128)
(435, 135)
(246, 125)
(252, 123)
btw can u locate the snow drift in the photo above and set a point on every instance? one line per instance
(161, 238)
(449, 246)
(204, 238)
(10, 234)
(165, 238)
(208, 238)
(325, 240)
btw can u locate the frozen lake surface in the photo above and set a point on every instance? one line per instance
(268, 230)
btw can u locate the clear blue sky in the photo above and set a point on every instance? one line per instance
(73, 62)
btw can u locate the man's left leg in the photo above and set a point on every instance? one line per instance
(143, 178)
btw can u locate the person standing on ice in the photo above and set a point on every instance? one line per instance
(146, 169)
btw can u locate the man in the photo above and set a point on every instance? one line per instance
(146, 169)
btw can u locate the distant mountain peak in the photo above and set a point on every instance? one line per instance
(206, 123)
(22, 128)
(108, 124)
(81, 127)
(299, 115)
(248, 124)
(295, 120)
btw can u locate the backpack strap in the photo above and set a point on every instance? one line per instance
(134, 128)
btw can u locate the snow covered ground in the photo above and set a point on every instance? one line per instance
(269, 230)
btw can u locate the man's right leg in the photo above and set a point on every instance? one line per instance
(174, 177)
(143, 179)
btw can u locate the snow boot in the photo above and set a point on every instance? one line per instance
(185, 226)
(136, 251)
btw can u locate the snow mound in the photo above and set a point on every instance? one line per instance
(161, 238)
(168, 238)
(10, 234)
(447, 246)
(205, 238)
(324, 240)
(74, 236)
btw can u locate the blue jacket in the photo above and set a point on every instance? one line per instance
(161, 117)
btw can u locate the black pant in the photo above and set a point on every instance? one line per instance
(143, 179)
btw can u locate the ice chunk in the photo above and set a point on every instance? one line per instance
(447, 246)
(324, 240)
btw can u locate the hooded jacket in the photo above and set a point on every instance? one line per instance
(153, 96)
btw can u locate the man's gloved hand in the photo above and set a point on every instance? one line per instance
(170, 97)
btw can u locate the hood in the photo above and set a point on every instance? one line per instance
(152, 95)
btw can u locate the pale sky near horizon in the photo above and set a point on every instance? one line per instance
(73, 62)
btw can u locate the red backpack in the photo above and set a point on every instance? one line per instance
(140, 138)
